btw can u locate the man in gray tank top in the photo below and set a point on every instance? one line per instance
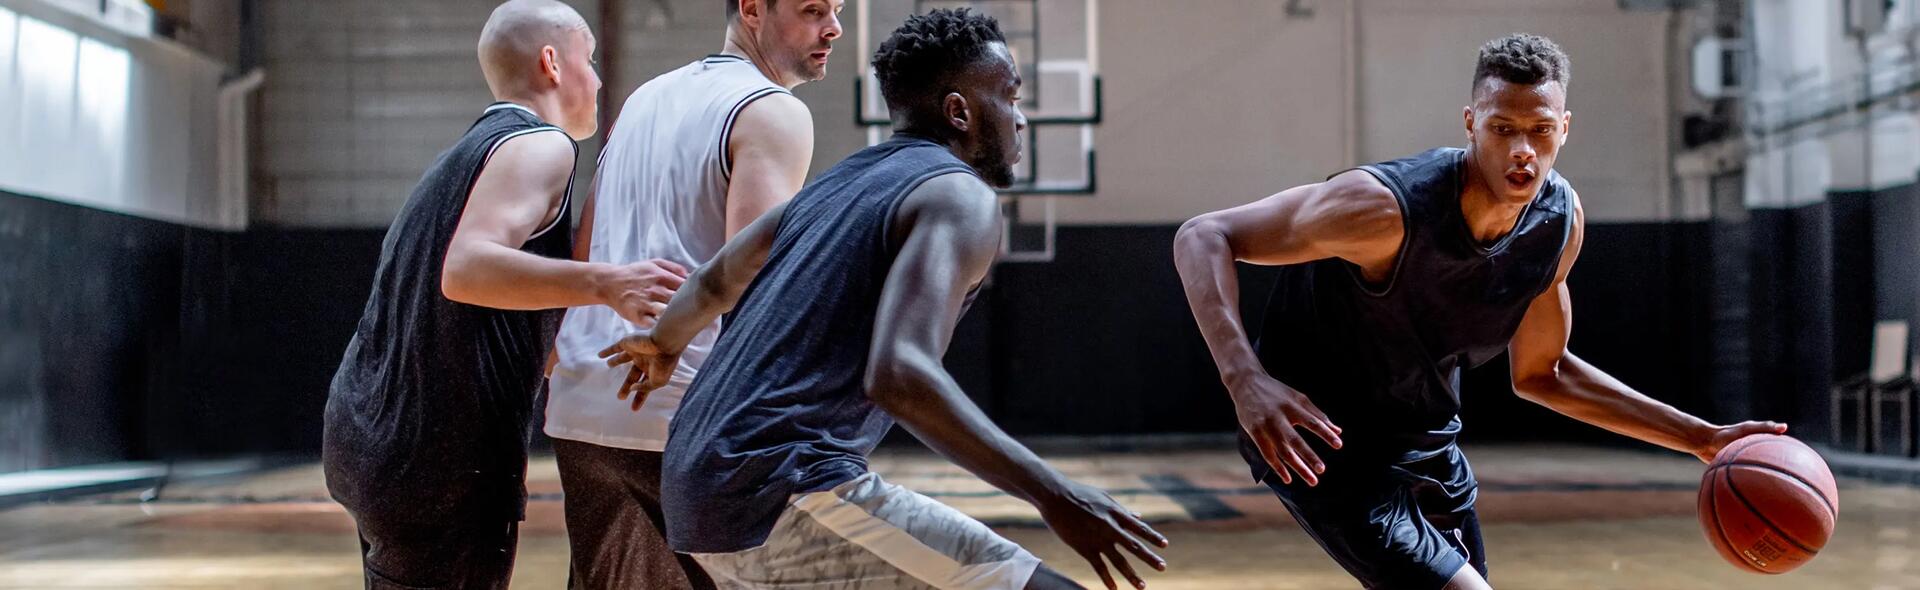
(1394, 277)
(697, 154)
(860, 279)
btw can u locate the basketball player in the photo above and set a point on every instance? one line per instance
(698, 153)
(426, 422)
(1393, 278)
(861, 278)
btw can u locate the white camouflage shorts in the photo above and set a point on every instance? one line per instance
(868, 534)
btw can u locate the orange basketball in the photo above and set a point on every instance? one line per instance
(1768, 503)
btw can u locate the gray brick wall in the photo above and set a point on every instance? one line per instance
(362, 94)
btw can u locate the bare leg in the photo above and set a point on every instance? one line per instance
(1465, 579)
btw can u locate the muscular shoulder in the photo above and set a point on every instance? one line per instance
(778, 118)
(1351, 208)
(543, 157)
(957, 197)
(957, 201)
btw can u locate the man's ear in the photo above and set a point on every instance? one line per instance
(957, 112)
(550, 63)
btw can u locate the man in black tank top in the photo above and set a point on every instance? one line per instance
(846, 299)
(426, 422)
(1394, 277)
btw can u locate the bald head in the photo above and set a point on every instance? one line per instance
(516, 36)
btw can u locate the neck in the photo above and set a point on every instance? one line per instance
(1488, 217)
(904, 126)
(741, 44)
(544, 105)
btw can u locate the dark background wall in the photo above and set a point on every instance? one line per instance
(127, 338)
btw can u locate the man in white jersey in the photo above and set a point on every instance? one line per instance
(697, 154)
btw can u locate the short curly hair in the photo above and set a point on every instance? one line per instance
(1522, 58)
(915, 64)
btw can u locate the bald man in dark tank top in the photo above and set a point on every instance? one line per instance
(425, 437)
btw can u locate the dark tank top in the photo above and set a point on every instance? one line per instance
(1384, 360)
(780, 407)
(428, 414)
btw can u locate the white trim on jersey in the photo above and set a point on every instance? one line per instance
(566, 198)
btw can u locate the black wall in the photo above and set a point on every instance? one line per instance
(128, 338)
(89, 306)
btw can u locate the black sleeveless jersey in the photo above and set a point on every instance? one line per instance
(428, 414)
(1384, 360)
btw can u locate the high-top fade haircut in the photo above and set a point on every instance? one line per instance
(916, 64)
(1522, 58)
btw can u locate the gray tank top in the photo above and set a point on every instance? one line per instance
(780, 408)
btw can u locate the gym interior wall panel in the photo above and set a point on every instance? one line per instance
(1208, 109)
(1809, 351)
(1896, 252)
(1853, 282)
(93, 116)
(353, 112)
(1416, 65)
(89, 304)
(153, 340)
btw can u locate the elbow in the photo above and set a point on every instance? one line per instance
(453, 279)
(888, 380)
(1536, 388)
(1196, 236)
(1194, 230)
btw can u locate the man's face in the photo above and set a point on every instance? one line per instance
(798, 36)
(1515, 132)
(992, 90)
(579, 86)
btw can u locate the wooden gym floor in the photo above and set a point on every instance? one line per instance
(1554, 517)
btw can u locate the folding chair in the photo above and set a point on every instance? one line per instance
(1874, 412)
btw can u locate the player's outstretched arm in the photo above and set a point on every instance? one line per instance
(1546, 373)
(1350, 216)
(948, 231)
(711, 291)
(517, 192)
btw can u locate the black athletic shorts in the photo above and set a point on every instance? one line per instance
(1392, 523)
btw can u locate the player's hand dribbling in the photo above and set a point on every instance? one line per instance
(1097, 527)
(652, 363)
(1269, 411)
(1721, 436)
(638, 292)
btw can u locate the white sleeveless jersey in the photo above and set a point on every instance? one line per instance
(661, 192)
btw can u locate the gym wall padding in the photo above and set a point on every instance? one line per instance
(127, 338)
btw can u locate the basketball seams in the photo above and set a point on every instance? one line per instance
(1727, 477)
(1824, 500)
(1713, 511)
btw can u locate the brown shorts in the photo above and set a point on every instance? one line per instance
(614, 523)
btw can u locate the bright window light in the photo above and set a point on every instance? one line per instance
(104, 80)
(10, 144)
(47, 83)
(7, 25)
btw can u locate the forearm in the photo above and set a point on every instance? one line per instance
(925, 400)
(1585, 393)
(491, 275)
(710, 291)
(1207, 274)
